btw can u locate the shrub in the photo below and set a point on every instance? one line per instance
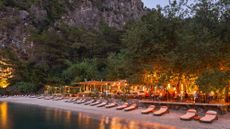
(26, 87)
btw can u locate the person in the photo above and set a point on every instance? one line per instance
(185, 95)
(167, 94)
(146, 94)
(195, 95)
(210, 96)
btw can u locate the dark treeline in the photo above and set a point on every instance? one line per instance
(180, 43)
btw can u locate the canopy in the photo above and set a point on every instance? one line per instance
(103, 83)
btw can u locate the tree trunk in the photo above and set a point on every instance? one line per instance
(226, 94)
(178, 83)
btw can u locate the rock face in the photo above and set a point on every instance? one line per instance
(14, 29)
(115, 13)
(17, 23)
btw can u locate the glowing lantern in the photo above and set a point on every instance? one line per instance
(169, 86)
(182, 87)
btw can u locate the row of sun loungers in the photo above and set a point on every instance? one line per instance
(106, 104)
(151, 109)
(210, 116)
(126, 107)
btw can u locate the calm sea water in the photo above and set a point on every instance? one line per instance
(19, 116)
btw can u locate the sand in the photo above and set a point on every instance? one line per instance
(170, 120)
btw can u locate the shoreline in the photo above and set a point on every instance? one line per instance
(170, 120)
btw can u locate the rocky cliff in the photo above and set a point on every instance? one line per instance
(115, 13)
(19, 18)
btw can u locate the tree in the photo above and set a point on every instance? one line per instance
(81, 71)
(49, 56)
(214, 80)
(117, 66)
(26, 87)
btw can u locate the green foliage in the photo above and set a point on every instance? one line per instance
(85, 70)
(21, 4)
(2, 91)
(166, 41)
(55, 8)
(173, 44)
(117, 66)
(49, 56)
(213, 80)
(26, 87)
(1, 4)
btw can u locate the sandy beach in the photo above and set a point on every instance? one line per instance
(170, 120)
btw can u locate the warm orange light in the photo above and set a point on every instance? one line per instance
(169, 86)
(5, 74)
(174, 88)
(3, 115)
(182, 87)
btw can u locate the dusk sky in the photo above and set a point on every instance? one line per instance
(153, 3)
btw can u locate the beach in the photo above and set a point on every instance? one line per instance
(170, 121)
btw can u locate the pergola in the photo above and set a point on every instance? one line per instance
(103, 86)
(95, 83)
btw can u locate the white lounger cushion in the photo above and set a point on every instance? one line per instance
(149, 109)
(209, 116)
(133, 106)
(162, 110)
(123, 106)
(95, 103)
(102, 104)
(189, 114)
(111, 105)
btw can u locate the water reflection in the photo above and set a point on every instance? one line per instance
(17, 116)
(3, 115)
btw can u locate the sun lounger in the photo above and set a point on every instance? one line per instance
(95, 103)
(150, 109)
(163, 110)
(209, 117)
(102, 104)
(89, 102)
(46, 98)
(131, 107)
(32, 96)
(41, 97)
(70, 100)
(125, 105)
(80, 101)
(57, 98)
(74, 100)
(111, 105)
(190, 114)
(83, 101)
(49, 98)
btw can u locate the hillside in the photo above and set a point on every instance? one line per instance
(21, 18)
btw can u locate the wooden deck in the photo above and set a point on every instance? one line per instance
(222, 108)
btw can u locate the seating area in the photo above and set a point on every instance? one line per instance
(190, 114)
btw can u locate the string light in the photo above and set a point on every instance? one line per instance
(5, 74)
